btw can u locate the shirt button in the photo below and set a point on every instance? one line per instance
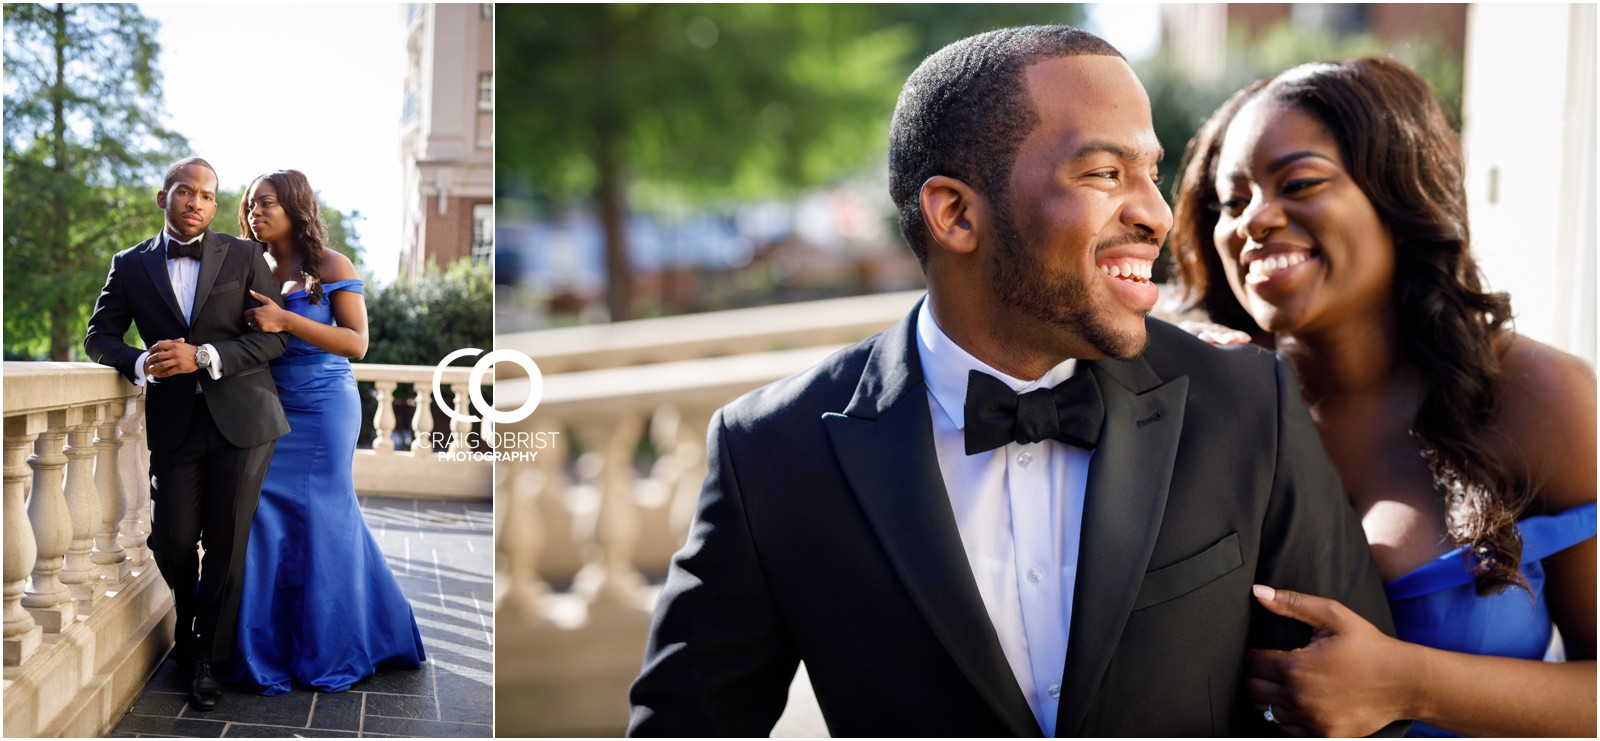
(1023, 459)
(1035, 575)
(1055, 690)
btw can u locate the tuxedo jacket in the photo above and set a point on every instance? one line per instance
(244, 401)
(824, 534)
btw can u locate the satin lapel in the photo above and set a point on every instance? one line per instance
(1123, 505)
(211, 259)
(154, 258)
(884, 443)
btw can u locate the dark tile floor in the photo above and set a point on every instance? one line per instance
(442, 554)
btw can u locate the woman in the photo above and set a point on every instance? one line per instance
(320, 605)
(1323, 211)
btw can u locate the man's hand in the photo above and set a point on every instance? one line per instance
(169, 358)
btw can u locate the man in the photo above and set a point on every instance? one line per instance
(212, 411)
(999, 517)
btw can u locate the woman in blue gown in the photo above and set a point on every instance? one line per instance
(320, 606)
(1323, 213)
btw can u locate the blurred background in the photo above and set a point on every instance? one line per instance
(692, 201)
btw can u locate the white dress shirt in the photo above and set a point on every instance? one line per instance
(1019, 509)
(184, 272)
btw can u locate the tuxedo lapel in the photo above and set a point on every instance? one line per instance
(212, 253)
(1123, 504)
(884, 443)
(154, 258)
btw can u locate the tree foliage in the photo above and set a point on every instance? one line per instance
(417, 321)
(84, 152)
(630, 107)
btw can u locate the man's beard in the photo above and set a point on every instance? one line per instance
(1022, 282)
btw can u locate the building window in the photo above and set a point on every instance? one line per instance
(485, 91)
(482, 232)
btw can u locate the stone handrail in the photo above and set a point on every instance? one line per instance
(87, 617)
(86, 610)
(714, 333)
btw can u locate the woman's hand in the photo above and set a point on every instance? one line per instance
(1349, 681)
(268, 317)
(1215, 334)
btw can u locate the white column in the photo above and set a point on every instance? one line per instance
(383, 421)
(84, 504)
(22, 635)
(109, 557)
(47, 598)
(422, 421)
(133, 532)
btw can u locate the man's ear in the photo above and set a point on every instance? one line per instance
(161, 199)
(953, 212)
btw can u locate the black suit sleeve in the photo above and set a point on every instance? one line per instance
(251, 349)
(109, 324)
(718, 662)
(1312, 541)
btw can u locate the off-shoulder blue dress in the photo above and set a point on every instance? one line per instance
(1437, 605)
(320, 606)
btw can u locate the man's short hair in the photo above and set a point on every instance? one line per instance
(172, 172)
(965, 111)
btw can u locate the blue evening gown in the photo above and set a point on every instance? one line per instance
(1437, 605)
(320, 606)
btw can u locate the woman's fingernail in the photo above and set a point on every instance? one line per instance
(1264, 592)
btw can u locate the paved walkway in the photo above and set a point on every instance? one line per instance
(443, 555)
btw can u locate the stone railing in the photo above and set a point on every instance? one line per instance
(588, 518)
(421, 471)
(87, 615)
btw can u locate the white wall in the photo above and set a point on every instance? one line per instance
(1529, 136)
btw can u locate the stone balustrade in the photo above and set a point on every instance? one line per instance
(711, 334)
(614, 457)
(87, 617)
(439, 463)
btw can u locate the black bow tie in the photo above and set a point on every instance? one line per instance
(176, 250)
(1071, 413)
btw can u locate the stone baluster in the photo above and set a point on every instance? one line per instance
(686, 497)
(383, 422)
(521, 538)
(459, 428)
(22, 636)
(616, 529)
(422, 421)
(47, 599)
(109, 557)
(133, 532)
(78, 572)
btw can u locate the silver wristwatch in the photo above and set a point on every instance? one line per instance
(202, 358)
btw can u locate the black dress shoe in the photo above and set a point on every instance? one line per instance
(204, 689)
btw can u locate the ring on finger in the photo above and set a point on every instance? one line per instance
(1268, 715)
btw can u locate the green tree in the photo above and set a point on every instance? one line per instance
(417, 321)
(84, 152)
(649, 106)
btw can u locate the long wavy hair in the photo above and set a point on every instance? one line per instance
(1399, 149)
(306, 229)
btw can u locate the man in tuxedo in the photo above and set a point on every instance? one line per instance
(212, 410)
(1026, 509)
